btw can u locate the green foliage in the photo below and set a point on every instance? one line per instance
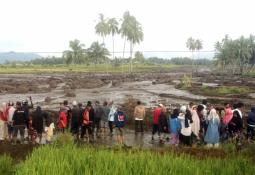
(77, 53)
(64, 139)
(186, 81)
(6, 165)
(225, 90)
(97, 53)
(239, 53)
(72, 160)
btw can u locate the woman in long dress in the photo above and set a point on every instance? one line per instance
(212, 134)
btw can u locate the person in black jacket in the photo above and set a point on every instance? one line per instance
(163, 124)
(76, 119)
(38, 117)
(236, 123)
(19, 122)
(251, 124)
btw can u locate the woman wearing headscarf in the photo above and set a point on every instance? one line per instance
(212, 134)
(195, 126)
(185, 120)
(37, 121)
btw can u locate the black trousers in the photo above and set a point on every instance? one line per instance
(110, 126)
(86, 129)
(155, 128)
(138, 125)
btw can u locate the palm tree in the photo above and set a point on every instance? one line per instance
(102, 28)
(114, 29)
(97, 53)
(243, 53)
(77, 54)
(131, 29)
(191, 45)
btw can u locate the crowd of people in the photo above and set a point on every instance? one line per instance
(186, 125)
(203, 124)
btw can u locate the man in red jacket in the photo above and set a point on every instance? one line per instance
(156, 113)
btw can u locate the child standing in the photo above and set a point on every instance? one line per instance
(119, 121)
(49, 132)
(174, 126)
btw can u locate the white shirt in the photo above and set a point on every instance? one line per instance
(10, 113)
(184, 131)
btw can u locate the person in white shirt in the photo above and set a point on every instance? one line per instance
(10, 112)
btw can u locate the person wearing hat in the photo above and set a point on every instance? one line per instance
(76, 119)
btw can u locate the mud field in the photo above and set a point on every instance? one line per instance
(49, 91)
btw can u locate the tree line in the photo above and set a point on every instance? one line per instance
(235, 55)
(130, 30)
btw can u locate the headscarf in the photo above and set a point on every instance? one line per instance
(213, 115)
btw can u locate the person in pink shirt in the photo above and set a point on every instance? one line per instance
(228, 114)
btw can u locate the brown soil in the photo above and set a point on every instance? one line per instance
(18, 152)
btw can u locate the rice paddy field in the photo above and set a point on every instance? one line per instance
(70, 159)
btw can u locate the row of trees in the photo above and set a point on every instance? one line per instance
(129, 29)
(78, 54)
(236, 55)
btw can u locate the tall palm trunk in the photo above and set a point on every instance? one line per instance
(131, 62)
(123, 56)
(113, 47)
(107, 71)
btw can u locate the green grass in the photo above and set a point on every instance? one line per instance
(225, 90)
(6, 165)
(69, 159)
(101, 68)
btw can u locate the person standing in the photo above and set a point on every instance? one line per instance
(19, 122)
(10, 112)
(98, 116)
(106, 111)
(195, 126)
(139, 114)
(88, 121)
(212, 134)
(62, 120)
(174, 125)
(119, 121)
(155, 114)
(76, 119)
(3, 122)
(111, 116)
(236, 123)
(68, 113)
(185, 120)
(163, 124)
(38, 117)
(251, 124)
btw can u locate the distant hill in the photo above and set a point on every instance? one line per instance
(14, 56)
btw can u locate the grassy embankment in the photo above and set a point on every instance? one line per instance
(101, 68)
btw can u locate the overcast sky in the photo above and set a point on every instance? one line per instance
(48, 25)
